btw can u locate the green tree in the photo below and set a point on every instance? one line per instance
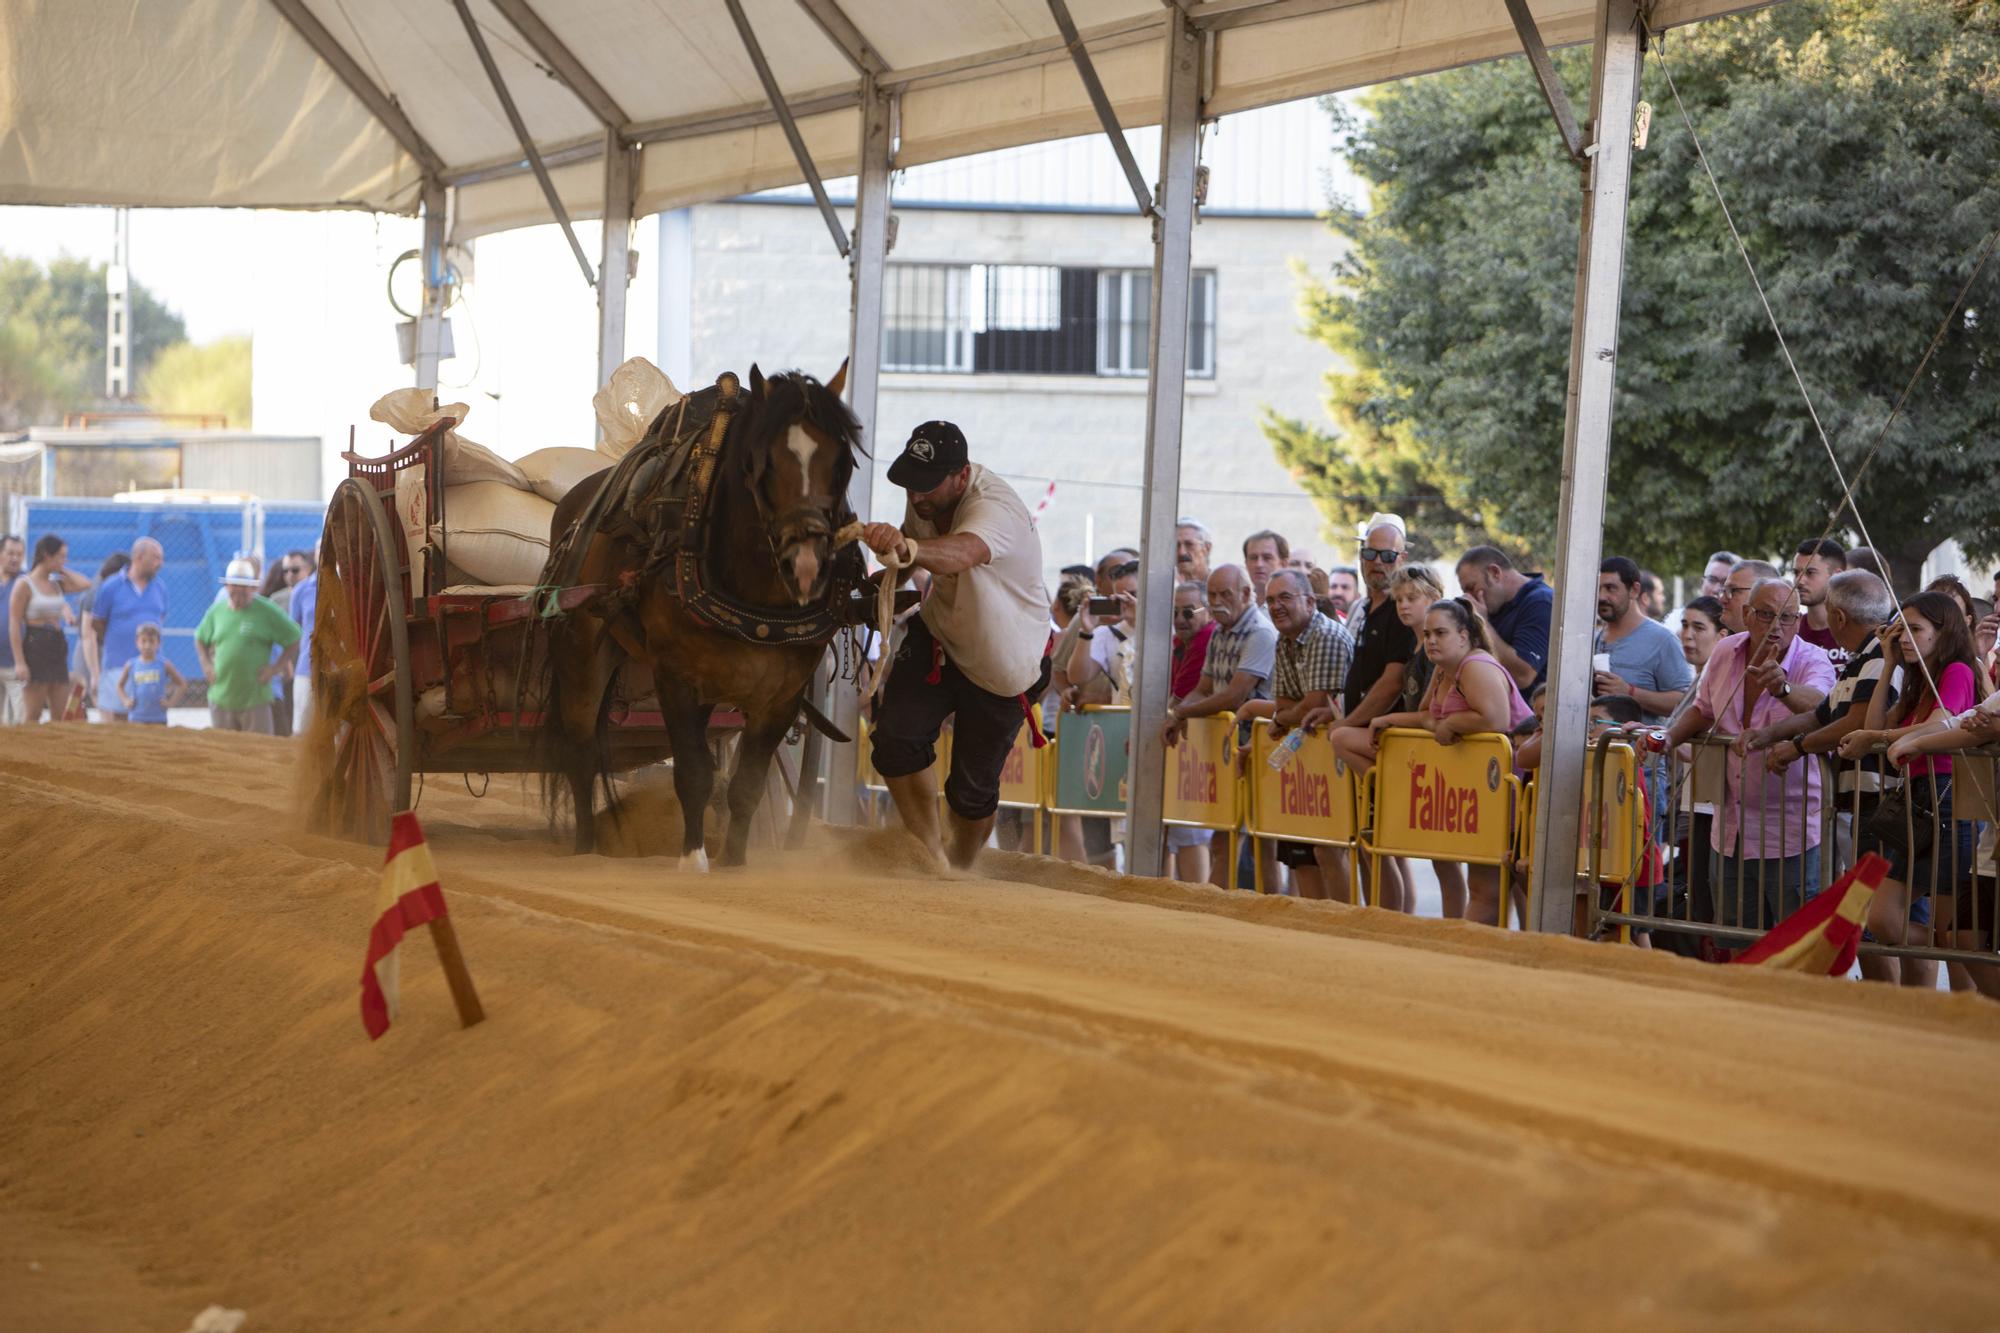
(209, 377)
(1858, 146)
(52, 337)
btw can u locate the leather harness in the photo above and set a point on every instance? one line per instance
(658, 498)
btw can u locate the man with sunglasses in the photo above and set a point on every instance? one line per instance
(1714, 574)
(1735, 594)
(1192, 631)
(1383, 644)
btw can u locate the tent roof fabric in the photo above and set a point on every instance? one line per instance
(227, 102)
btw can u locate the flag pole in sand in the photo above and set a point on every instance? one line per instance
(410, 897)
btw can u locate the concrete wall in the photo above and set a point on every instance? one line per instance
(767, 286)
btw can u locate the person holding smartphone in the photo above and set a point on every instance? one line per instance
(1101, 665)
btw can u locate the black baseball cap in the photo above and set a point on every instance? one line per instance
(936, 451)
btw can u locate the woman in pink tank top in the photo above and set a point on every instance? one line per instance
(1471, 691)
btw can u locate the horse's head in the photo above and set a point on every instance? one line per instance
(799, 451)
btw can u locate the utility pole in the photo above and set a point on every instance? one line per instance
(118, 309)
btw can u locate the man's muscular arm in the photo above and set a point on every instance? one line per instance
(953, 553)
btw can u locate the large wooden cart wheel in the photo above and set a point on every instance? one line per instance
(364, 722)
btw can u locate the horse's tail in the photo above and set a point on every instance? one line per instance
(553, 638)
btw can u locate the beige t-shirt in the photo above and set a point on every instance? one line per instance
(992, 619)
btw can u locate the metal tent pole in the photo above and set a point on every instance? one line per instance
(1166, 384)
(529, 149)
(1586, 450)
(868, 262)
(614, 267)
(430, 323)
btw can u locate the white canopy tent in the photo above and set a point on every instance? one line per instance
(235, 102)
(490, 114)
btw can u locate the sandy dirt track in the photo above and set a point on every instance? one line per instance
(835, 1091)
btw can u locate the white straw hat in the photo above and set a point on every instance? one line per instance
(241, 574)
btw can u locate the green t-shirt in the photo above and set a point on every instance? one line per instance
(241, 642)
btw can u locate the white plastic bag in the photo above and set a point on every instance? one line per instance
(628, 402)
(497, 534)
(551, 472)
(410, 411)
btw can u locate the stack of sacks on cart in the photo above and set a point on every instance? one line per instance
(496, 513)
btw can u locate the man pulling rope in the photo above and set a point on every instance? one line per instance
(978, 650)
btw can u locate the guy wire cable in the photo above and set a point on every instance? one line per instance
(1847, 500)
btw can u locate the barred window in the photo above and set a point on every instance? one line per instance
(1032, 319)
(926, 318)
(1124, 329)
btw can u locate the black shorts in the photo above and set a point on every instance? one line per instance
(1972, 906)
(47, 653)
(912, 713)
(1295, 854)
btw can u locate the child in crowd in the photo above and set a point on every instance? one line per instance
(142, 685)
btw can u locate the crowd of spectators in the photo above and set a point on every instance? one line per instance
(1779, 667)
(77, 648)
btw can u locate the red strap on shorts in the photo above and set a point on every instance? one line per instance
(1035, 736)
(936, 675)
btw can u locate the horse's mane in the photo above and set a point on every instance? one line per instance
(790, 396)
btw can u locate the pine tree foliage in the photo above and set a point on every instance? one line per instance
(52, 338)
(1858, 148)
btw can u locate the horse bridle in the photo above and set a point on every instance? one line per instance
(814, 518)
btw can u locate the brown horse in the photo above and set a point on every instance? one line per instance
(721, 574)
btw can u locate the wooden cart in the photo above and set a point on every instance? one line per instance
(415, 674)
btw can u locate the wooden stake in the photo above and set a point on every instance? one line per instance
(455, 973)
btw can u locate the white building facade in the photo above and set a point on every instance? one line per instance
(1016, 306)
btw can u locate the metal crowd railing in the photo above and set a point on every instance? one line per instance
(1463, 803)
(1745, 846)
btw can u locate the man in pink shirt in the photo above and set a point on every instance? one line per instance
(1767, 830)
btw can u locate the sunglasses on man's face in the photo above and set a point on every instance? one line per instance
(1188, 612)
(1386, 557)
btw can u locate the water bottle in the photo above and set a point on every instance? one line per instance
(1282, 753)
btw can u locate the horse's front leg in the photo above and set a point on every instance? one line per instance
(761, 738)
(694, 767)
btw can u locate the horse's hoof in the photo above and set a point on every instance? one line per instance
(695, 862)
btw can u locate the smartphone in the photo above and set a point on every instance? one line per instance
(1105, 606)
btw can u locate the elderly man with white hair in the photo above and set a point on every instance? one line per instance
(1767, 831)
(133, 597)
(1193, 545)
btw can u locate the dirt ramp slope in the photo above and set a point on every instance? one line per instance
(824, 1096)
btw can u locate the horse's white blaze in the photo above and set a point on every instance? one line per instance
(695, 862)
(803, 447)
(805, 565)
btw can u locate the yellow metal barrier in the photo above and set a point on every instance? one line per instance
(1203, 787)
(1443, 802)
(1313, 797)
(1524, 840)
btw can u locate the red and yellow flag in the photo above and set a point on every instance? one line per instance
(1823, 935)
(409, 898)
